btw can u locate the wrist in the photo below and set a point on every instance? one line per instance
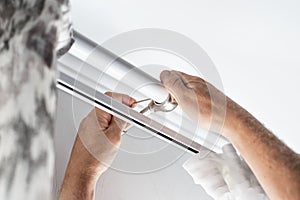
(82, 162)
(239, 123)
(80, 177)
(233, 122)
(87, 173)
(82, 173)
(79, 183)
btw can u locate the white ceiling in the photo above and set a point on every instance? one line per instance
(255, 46)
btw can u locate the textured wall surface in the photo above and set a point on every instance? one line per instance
(29, 40)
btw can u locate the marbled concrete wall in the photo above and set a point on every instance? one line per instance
(29, 40)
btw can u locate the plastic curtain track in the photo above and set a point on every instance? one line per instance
(86, 64)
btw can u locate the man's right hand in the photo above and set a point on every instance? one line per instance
(275, 165)
(203, 103)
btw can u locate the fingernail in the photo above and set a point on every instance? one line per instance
(126, 100)
(131, 103)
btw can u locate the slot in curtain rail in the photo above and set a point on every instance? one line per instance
(108, 104)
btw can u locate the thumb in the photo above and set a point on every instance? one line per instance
(123, 98)
(174, 82)
(117, 125)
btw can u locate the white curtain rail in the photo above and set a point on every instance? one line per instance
(102, 101)
(88, 70)
(100, 62)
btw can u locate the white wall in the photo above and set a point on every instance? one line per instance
(255, 46)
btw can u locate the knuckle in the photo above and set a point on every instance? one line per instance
(114, 137)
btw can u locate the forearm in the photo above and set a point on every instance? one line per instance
(275, 165)
(95, 147)
(77, 187)
(81, 175)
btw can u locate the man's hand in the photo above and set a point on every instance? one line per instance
(203, 103)
(275, 165)
(100, 134)
(94, 150)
